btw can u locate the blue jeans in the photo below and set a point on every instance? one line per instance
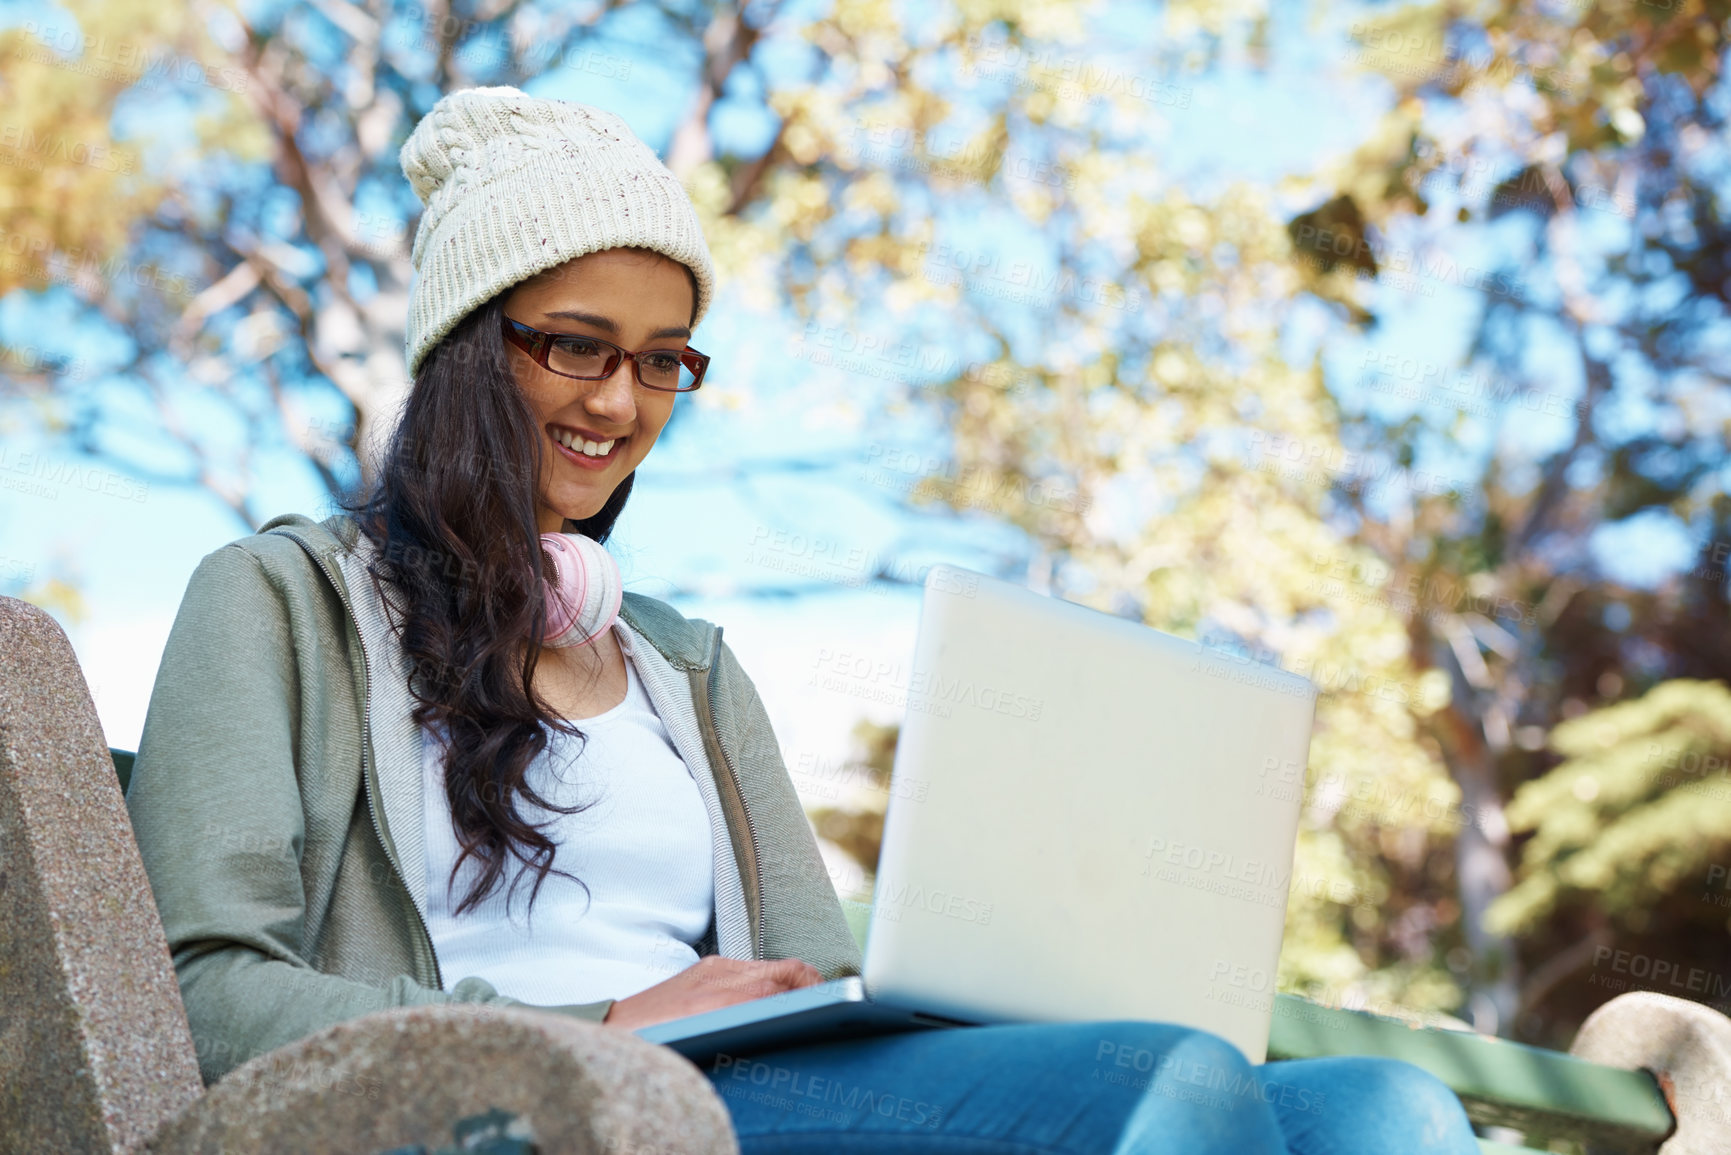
(1106, 1088)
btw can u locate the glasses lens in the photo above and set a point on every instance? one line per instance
(578, 357)
(664, 370)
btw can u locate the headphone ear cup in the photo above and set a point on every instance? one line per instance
(584, 597)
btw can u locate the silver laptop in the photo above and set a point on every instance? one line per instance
(1088, 819)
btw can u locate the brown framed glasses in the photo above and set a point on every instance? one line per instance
(592, 359)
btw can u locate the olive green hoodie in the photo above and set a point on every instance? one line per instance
(276, 798)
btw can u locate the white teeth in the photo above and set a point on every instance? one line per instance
(577, 444)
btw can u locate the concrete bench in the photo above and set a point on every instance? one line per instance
(98, 1048)
(95, 1052)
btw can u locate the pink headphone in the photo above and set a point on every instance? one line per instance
(583, 603)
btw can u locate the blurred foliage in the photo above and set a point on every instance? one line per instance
(59, 596)
(1582, 150)
(1629, 847)
(1639, 808)
(856, 825)
(58, 148)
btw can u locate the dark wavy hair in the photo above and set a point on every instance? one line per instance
(452, 512)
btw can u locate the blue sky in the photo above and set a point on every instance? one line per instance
(694, 522)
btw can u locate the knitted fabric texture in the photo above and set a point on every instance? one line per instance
(513, 185)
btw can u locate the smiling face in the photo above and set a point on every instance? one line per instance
(638, 301)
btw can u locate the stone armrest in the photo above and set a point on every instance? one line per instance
(425, 1079)
(1687, 1048)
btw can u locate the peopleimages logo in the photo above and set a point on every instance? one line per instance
(1656, 971)
(1191, 856)
(922, 689)
(1177, 1077)
(892, 898)
(828, 777)
(948, 264)
(41, 467)
(103, 57)
(814, 1095)
(1227, 664)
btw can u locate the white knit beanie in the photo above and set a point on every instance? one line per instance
(514, 184)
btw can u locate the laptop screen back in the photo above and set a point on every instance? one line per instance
(1089, 820)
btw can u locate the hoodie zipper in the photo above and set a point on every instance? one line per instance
(705, 688)
(368, 768)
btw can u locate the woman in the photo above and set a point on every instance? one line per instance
(367, 779)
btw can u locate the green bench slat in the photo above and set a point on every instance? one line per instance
(1499, 1082)
(1492, 1147)
(122, 766)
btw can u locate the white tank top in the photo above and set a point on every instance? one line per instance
(643, 848)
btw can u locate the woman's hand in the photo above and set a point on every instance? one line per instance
(709, 984)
